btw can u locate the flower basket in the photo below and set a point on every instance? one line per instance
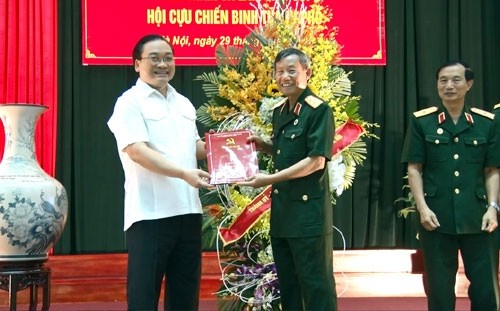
(241, 94)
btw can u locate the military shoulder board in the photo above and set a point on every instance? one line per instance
(425, 112)
(313, 101)
(483, 113)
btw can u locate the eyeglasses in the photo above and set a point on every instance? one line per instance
(156, 60)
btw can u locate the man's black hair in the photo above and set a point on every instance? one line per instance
(469, 74)
(139, 46)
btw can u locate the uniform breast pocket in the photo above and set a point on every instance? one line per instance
(437, 148)
(295, 142)
(475, 149)
(157, 124)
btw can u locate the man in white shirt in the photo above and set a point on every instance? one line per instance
(159, 145)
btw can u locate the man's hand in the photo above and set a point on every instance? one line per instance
(260, 144)
(197, 178)
(428, 219)
(490, 220)
(256, 181)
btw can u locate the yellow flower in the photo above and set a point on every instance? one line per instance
(219, 113)
(272, 90)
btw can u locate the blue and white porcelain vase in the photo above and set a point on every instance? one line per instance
(33, 205)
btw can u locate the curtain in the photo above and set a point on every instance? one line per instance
(420, 35)
(28, 67)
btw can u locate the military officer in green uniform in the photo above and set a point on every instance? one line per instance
(301, 211)
(453, 176)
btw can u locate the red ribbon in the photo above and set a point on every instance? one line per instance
(247, 218)
(345, 136)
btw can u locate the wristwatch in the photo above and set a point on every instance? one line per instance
(495, 206)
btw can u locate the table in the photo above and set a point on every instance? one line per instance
(18, 276)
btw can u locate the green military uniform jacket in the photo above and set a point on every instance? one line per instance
(453, 158)
(302, 207)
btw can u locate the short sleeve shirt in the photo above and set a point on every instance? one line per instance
(301, 207)
(167, 125)
(453, 158)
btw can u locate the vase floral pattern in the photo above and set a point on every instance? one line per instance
(33, 205)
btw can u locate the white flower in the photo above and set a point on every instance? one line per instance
(336, 171)
(265, 109)
(266, 256)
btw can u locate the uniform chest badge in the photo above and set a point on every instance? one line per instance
(469, 118)
(297, 108)
(440, 131)
(441, 117)
(296, 122)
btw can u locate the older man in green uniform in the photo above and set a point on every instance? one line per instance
(453, 176)
(301, 211)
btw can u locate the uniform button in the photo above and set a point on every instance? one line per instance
(278, 151)
(436, 141)
(455, 156)
(283, 132)
(275, 191)
(293, 136)
(456, 173)
(425, 194)
(276, 170)
(457, 191)
(474, 142)
(456, 139)
(304, 197)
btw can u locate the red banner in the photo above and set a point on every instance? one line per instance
(346, 135)
(247, 218)
(111, 28)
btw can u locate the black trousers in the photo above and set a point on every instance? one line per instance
(480, 257)
(169, 247)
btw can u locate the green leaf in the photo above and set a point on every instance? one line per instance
(204, 117)
(408, 200)
(210, 83)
